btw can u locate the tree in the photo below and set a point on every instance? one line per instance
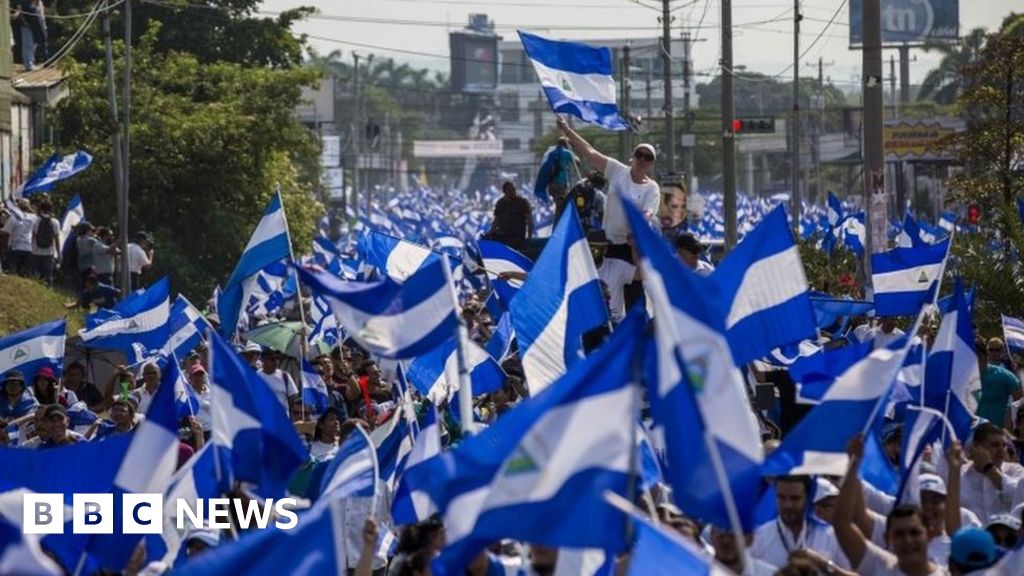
(946, 82)
(210, 141)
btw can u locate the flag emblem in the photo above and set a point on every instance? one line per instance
(697, 371)
(923, 278)
(566, 86)
(520, 463)
(19, 353)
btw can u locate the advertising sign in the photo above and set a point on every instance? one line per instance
(457, 148)
(910, 21)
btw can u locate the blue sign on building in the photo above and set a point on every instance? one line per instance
(910, 21)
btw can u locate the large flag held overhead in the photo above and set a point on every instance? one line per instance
(268, 244)
(30, 350)
(560, 301)
(500, 258)
(389, 319)
(55, 169)
(141, 319)
(699, 395)
(904, 279)
(397, 258)
(577, 79)
(952, 376)
(545, 456)
(763, 284)
(436, 373)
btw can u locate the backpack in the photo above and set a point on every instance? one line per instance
(582, 196)
(44, 237)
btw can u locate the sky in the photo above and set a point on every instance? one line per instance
(416, 31)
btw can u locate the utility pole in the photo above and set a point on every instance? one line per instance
(116, 145)
(892, 85)
(904, 73)
(666, 79)
(650, 110)
(875, 195)
(795, 199)
(356, 129)
(728, 136)
(687, 119)
(126, 274)
(624, 86)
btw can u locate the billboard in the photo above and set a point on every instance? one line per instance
(317, 103)
(920, 140)
(457, 148)
(474, 62)
(910, 21)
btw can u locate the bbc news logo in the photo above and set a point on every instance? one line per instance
(144, 513)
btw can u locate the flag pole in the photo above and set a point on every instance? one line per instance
(461, 334)
(723, 483)
(298, 296)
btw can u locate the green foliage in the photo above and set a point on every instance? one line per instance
(946, 82)
(209, 142)
(24, 302)
(834, 274)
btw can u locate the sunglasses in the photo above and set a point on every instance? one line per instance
(643, 156)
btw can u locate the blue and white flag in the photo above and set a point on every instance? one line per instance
(834, 218)
(543, 456)
(187, 327)
(921, 428)
(269, 289)
(500, 344)
(389, 319)
(186, 402)
(353, 471)
(829, 309)
(905, 279)
(311, 547)
(254, 439)
(30, 350)
(911, 236)
(268, 244)
(763, 284)
(699, 395)
(72, 216)
(947, 221)
(500, 258)
(426, 445)
(147, 468)
(54, 170)
(952, 377)
(22, 554)
(140, 319)
(325, 325)
(397, 258)
(560, 301)
(196, 479)
(817, 445)
(436, 373)
(314, 389)
(814, 374)
(854, 233)
(1013, 333)
(577, 79)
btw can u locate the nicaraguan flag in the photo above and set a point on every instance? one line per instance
(905, 279)
(393, 442)
(325, 325)
(22, 554)
(834, 218)
(314, 389)
(829, 309)
(54, 170)
(389, 319)
(353, 471)
(817, 445)
(815, 374)
(500, 258)
(1013, 333)
(544, 456)
(196, 479)
(854, 233)
(921, 428)
(500, 344)
(254, 439)
(140, 319)
(426, 445)
(947, 221)
(186, 402)
(30, 350)
(762, 282)
(951, 373)
(268, 244)
(577, 79)
(699, 395)
(560, 301)
(436, 373)
(187, 327)
(397, 258)
(74, 214)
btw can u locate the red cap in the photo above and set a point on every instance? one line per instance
(46, 372)
(195, 369)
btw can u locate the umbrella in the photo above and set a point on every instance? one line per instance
(285, 337)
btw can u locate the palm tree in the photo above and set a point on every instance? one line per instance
(944, 83)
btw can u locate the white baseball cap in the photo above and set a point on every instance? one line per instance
(824, 489)
(931, 483)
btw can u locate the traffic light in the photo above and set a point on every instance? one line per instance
(973, 214)
(754, 126)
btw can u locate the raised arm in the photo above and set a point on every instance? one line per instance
(955, 457)
(851, 540)
(596, 160)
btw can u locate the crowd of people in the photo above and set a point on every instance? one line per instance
(964, 513)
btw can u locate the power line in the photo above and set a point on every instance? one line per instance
(75, 38)
(816, 39)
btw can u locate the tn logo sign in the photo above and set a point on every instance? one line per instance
(93, 514)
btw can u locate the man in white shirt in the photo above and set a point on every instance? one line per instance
(140, 257)
(731, 556)
(279, 381)
(18, 234)
(688, 249)
(792, 531)
(615, 274)
(984, 487)
(886, 333)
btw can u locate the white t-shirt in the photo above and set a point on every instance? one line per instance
(321, 451)
(52, 250)
(19, 232)
(878, 562)
(882, 339)
(773, 543)
(979, 495)
(281, 384)
(755, 567)
(205, 414)
(616, 274)
(646, 196)
(137, 258)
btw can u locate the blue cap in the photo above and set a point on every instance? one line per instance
(973, 548)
